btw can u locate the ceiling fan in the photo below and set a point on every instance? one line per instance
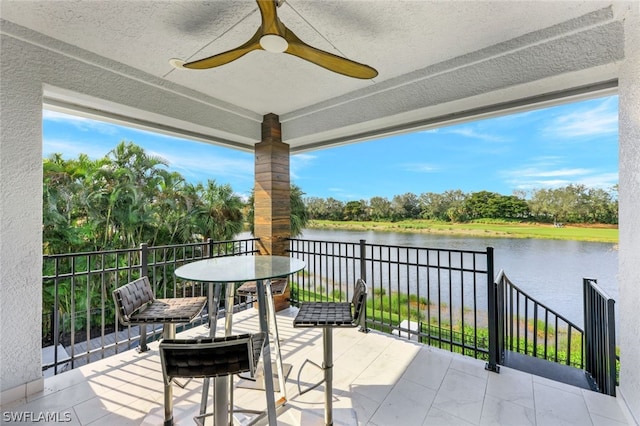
(274, 36)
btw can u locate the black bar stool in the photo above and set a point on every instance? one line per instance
(136, 304)
(330, 315)
(207, 358)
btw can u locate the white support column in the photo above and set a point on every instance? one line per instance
(20, 224)
(629, 201)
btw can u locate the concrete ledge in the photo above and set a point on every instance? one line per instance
(412, 326)
(21, 392)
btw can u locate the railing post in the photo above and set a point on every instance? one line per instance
(363, 255)
(588, 329)
(611, 325)
(600, 337)
(56, 318)
(55, 326)
(144, 260)
(492, 301)
(144, 271)
(500, 315)
(363, 275)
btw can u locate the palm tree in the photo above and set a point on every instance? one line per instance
(57, 228)
(120, 201)
(216, 212)
(127, 198)
(65, 191)
(171, 208)
(299, 213)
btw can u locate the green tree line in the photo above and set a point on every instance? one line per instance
(569, 204)
(129, 197)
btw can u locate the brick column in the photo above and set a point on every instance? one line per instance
(272, 211)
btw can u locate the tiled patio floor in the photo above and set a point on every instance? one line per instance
(378, 380)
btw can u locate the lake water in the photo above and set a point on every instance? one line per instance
(550, 271)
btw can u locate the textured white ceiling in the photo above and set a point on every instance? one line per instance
(434, 57)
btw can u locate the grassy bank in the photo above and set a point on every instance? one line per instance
(596, 233)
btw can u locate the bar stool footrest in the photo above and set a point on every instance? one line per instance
(182, 385)
(313, 386)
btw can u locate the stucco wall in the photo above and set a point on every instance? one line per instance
(28, 71)
(20, 221)
(629, 256)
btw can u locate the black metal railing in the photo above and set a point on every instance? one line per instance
(79, 319)
(600, 337)
(436, 296)
(531, 328)
(445, 298)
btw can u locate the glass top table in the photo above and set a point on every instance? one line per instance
(231, 270)
(239, 268)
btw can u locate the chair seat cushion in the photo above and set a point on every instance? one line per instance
(178, 310)
(324, 314)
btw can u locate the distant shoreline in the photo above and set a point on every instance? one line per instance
(575, 232)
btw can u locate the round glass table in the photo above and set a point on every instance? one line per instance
(239, 268)
(231, 270)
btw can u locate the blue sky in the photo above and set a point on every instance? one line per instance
(574, 143)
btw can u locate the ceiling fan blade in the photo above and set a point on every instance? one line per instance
(270, 22)
(225, 57)
(327, 60)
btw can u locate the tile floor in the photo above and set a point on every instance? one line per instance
(379, 380)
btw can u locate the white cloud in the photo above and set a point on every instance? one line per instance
(73, 148)
(595, 121)
(346, 195)
(194, 165)
(603, 180)
(539, 178)
(539, 184)
(300, 162)
(303, 157)
(468, 131)
(534, 172)
(420, 167)
(474, 134)
(518, 116)
(80, 123)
